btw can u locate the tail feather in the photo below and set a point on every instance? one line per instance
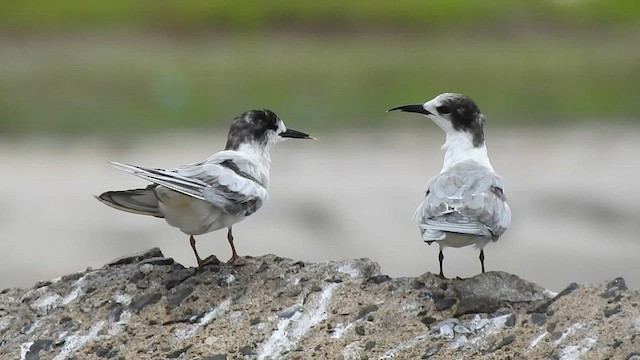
(136, 201)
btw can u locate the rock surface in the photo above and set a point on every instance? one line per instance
(146, 306)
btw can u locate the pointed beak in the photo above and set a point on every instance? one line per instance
(412, 108)
(295, 134)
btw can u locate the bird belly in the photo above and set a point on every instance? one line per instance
(193, 216)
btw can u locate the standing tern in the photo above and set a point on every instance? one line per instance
(465, 204)
(213, 194)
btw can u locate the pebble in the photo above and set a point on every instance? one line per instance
(146, 269)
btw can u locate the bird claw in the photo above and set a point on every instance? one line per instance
(233, 259)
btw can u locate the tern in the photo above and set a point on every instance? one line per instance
(465, 204)
(213, 194)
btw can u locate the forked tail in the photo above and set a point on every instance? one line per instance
(136, 201)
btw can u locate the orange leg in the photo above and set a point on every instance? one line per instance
(193, 246)
(234, 254)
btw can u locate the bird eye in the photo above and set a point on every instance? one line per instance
(443, 109)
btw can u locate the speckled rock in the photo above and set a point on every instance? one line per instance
(146, 306)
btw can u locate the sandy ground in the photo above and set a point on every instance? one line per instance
(573, 192)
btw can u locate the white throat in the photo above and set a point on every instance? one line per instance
(256, 151)
(459, 147)
(260, 160)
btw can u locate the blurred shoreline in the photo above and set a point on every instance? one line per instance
(575, 216)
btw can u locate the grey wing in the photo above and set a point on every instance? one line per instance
(211, 182)
(466, 200)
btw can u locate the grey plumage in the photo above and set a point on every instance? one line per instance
(210, 181)
(466, 199)
(464, 204)
(215, 193)
(136, 201)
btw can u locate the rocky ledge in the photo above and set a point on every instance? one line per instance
(146, 306)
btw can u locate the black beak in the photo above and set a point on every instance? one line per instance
(295, 134)
(411, 108)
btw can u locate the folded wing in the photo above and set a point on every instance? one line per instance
(221, 183)
(466, 199)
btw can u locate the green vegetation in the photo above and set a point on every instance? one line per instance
(96, 85)
(96, 66)
(255, 14)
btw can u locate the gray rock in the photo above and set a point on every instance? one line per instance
(33, 353)
(504, 342)
(538, 319)
(488, 292)
(178, 353)
(146, 306)
(178, 296)
(566, 291)
(365, 311)
(444, 304)
(216, 357)
(160, 261)
(613, 311)
(431, 350)
(145, 300)
(379, 279)
(135, 258)
(246, 351)
(175, 278)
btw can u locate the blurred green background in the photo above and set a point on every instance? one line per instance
(83, 67)
(156, 83)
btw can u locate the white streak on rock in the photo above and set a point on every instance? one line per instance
(44, 304)
(550, 294)
(77, 290)
(575, 352)
(47, 303)
(495, 324)
(32, 327)
(458, 342)
(352, 351)
(568, 332)
(24, 349)
(72, 295)
(446, 330)
(286, 337)
(340, 330)
(118, 326)
(74, 342)
(488, 327)
(403, 346)
(122, 298)
(478, 323)
(534, 342)
(349, 270)
(204, 320)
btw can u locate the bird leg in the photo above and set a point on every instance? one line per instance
(482, 260)
(193, 246)
(441, 258)
(234, 254)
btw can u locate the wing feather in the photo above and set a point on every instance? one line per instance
(222, 186)
(467, 199)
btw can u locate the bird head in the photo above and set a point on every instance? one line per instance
(261, 128)
(453, 113)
